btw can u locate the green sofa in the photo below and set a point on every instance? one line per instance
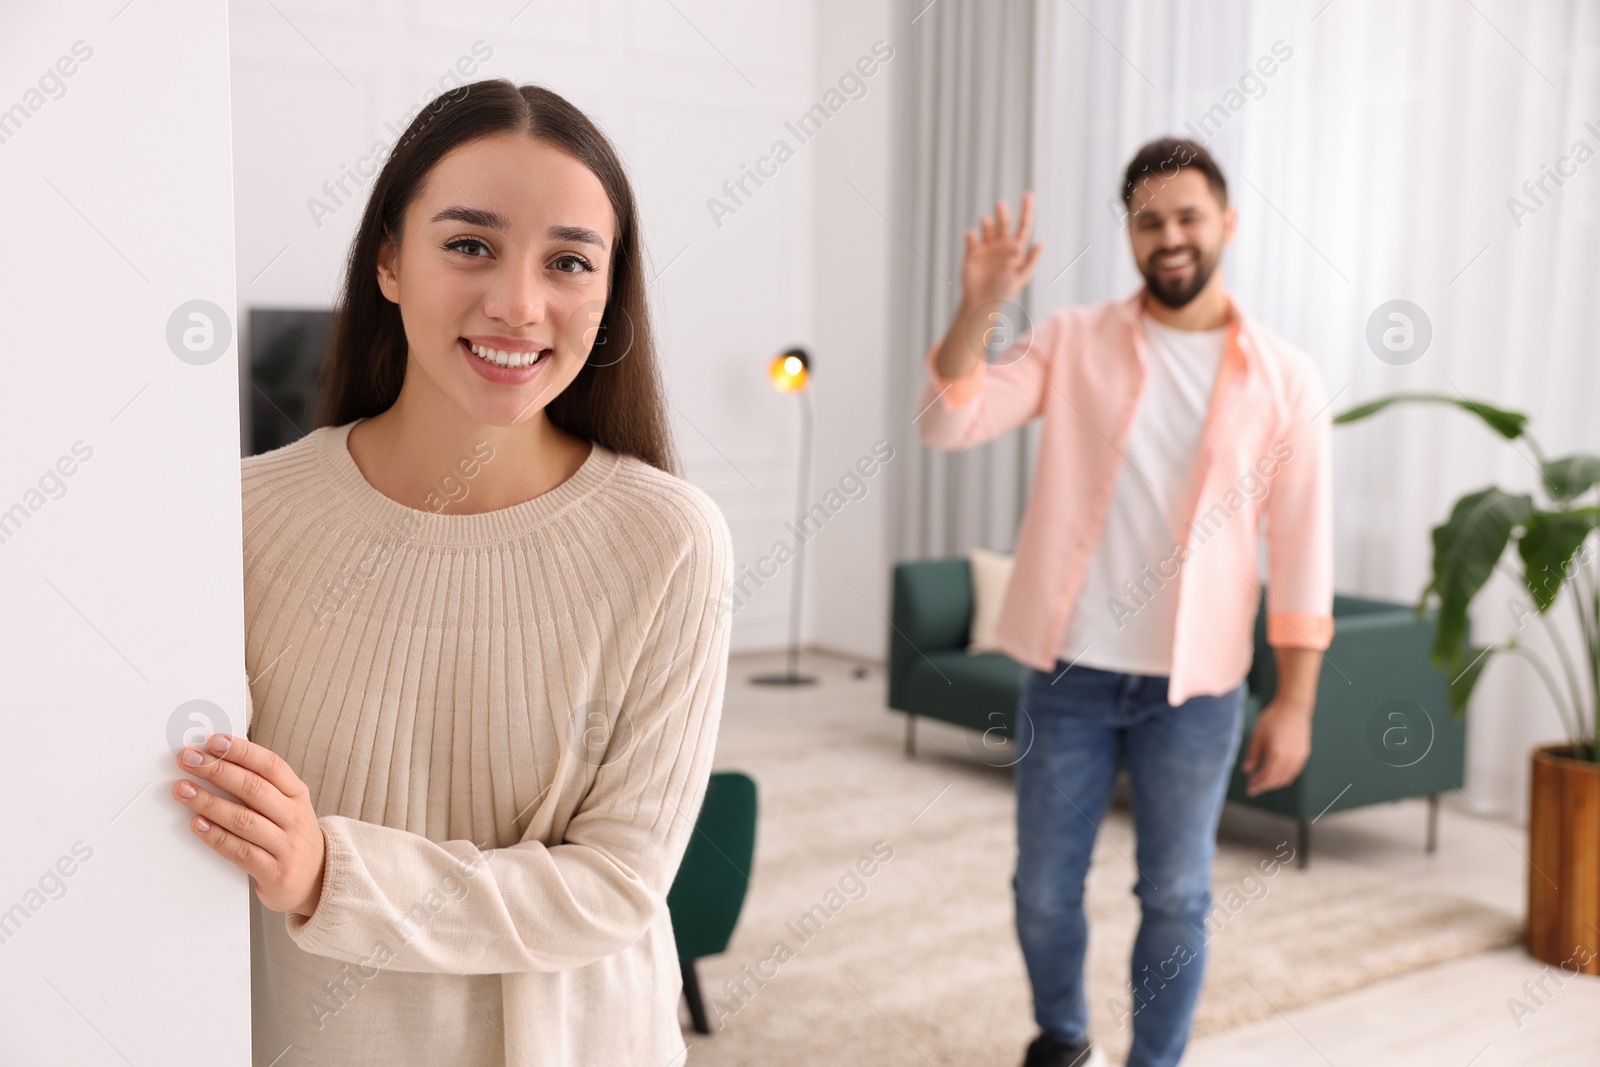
(1382, 729)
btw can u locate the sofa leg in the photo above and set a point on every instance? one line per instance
(911, 735)
(691, 993)
(1433, 822)
(1305, 843)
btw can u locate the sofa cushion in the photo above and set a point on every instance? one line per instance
(991, 573)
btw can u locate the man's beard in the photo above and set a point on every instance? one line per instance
(1177, 294)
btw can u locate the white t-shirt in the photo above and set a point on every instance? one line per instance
(1126, 615)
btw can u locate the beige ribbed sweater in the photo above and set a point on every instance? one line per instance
(506, 722)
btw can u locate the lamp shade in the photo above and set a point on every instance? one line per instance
(790, 371)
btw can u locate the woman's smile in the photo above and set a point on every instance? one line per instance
(504, 366)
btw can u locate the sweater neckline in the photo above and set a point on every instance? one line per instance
(442, 528)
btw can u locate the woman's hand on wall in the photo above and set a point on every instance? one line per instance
(271, 832)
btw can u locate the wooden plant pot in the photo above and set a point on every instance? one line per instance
(1564, 849)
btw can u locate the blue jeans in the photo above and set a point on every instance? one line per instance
(1074, 733)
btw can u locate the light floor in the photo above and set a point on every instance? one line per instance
(1455, 1014)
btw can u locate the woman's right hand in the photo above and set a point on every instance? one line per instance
(999, 262)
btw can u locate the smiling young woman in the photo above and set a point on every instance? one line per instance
(467, 785)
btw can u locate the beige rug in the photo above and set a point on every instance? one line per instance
(918, 963)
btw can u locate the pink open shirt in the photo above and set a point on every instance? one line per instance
(1264, 454)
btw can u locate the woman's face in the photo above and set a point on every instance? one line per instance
(506, 254)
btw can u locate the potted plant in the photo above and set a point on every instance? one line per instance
(1551, 535)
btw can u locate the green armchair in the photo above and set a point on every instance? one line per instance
(708, 892)
(931, 674)
(1382, 730)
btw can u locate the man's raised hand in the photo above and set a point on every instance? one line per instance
(999, 262)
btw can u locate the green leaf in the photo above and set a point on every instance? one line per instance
(1463, 677)
(1548, 542)
(1508, 424)
(1571, 476)
(1465, 550)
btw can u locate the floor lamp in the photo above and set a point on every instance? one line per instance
(790, 372)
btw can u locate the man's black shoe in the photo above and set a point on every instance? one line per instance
(1049, 1051)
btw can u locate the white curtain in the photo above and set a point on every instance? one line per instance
(1374, 162)
(964, 138)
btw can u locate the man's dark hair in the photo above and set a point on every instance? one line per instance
(1164, 158)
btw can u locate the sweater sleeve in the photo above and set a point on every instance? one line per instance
(408, 903)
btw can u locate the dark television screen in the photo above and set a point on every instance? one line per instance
(285, 353)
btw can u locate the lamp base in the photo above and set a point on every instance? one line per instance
(782, 679)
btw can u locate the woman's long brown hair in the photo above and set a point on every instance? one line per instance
(617, 398)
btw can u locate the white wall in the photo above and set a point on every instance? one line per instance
(123, 936)
(851, 256)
